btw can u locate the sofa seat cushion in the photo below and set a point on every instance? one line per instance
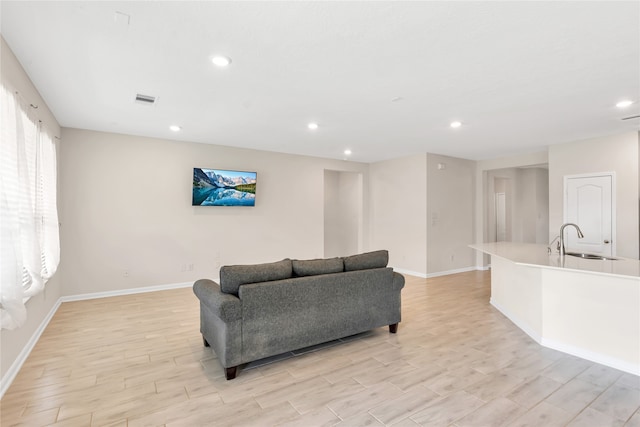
(314, 267)
(234, 276)
(368, 260)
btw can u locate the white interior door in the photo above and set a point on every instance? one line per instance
(589, 204)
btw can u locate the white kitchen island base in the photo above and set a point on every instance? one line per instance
(582, 307)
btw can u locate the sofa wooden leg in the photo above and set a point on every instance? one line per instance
(204, 340)
(393, 328)
(230, 373)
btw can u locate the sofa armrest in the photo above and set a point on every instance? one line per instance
(398, 280)
(227, 307)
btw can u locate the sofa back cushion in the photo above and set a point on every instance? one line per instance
(368, 260)
(233, 276)
(314, 267)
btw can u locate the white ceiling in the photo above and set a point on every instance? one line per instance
(519, 75)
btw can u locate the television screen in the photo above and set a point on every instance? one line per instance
(214, 187)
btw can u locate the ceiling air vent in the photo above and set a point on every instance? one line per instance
(145, 99)
(631, 117)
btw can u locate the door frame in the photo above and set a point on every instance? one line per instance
(614, 221)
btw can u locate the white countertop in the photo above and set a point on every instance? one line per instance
(536, 255)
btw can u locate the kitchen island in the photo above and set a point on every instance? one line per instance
(588, 308)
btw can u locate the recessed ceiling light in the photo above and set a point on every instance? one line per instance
(347, 152)
(221, 61)
(312, 126)
(175, 128)
(455, 124)
(624, 104)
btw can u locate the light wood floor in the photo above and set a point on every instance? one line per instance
(139, 361)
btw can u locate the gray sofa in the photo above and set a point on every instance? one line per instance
(263, 310)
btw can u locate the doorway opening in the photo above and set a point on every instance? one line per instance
(517, 204)
(343, 213)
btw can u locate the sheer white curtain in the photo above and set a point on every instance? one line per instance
(29, 239)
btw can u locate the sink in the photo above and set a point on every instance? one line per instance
(591, 256)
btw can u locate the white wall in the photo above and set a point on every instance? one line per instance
(343, 201)
(450, 213)
(127, 208)
(617, 153)
(38, 307)
(398, 211)
(423, 215)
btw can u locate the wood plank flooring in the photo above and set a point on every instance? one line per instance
(138, 360)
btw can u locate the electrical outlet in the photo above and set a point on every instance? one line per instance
(183, 267)
(190, 267)
(125, 273)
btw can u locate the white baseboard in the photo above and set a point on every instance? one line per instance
(518, 322)
(437, 274)
(446, 273)
(11, 373)
(107, 294)
(13, 370)
(410, 273)
(592, 356)
(569, 349)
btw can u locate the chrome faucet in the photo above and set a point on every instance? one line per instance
(580, 236)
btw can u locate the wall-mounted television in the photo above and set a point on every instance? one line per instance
(216, 187)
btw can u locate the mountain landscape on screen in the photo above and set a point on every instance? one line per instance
(213, 187)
